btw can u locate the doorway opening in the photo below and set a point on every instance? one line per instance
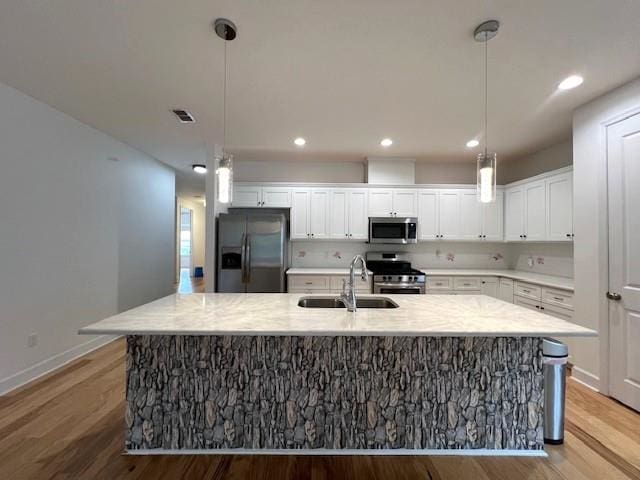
(186, 246)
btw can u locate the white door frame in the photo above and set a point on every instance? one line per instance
(603, 328)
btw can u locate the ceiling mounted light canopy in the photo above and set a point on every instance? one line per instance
(199, 168)
(386, 142)
(486, 162)
(227, 31)
(570, 82)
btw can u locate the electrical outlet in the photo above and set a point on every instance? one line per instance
(530, 262)
(32, 340)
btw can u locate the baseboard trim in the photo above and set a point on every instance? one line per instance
(585, 378)
(480, 452)
(36, 371)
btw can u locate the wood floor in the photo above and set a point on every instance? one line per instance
(69, 424)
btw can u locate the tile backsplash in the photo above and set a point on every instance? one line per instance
(544, 258)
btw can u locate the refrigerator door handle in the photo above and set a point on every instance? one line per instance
(243, 258)
(247, 256)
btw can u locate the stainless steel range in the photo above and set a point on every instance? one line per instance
(392, 273)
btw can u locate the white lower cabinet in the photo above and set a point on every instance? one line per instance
(489, 286)
(505, 290)
(324, 284)
(555, 302)
(458, 285)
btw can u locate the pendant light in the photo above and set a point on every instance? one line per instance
(487, 160)
(227, 31)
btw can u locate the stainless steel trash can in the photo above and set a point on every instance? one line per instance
(554, 359)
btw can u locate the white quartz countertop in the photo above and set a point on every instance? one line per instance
(322, 271)
(279, 314)
(552, 281)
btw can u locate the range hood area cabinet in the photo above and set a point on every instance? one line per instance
(540, 209)
(456, 214)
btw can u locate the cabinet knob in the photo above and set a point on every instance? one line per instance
(351, 234)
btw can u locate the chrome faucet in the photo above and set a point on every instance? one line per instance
(348, 295)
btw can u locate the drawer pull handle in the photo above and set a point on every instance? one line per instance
(308, 283)
(526, 291)
(560, 299)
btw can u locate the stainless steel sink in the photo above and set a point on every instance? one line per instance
(335, 302)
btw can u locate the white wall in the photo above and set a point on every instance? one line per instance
(590, 223)
(548, 258)
(198, 228)
(82, 235)
(546, 160)
(301, 171)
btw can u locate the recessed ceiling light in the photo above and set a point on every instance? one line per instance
(473, 143)
(386, 142)
(570, 82)
(300, 142)
(199, 168)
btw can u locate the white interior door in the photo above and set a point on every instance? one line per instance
(338, 214)
(358, 218)
(535, 213)
(623, 149)
(427, 214)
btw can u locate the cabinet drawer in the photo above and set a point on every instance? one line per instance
(440, 292)
(560, 298)
(306, 290)
(526, 303)
(527, 290)
(439, 283)
(361, 285)
(467, 283)
(309, 282)
(559, 312)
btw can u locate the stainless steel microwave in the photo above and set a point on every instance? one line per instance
(393, 230)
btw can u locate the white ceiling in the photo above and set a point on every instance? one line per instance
(343, 74)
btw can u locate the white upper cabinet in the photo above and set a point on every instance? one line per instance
(358, 217)
(300, 204)
(319, 213)
(255, 196)
(276, 197)
(449, 214)
(246, 196)
(393, 202)
(405, 202)
(493, 219)
(428, 223)
(514, 214)
(380, 202)
(339, 214)
(535, 216)
(560, 207)
(470, 216)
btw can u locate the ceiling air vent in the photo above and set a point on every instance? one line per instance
(184, 116)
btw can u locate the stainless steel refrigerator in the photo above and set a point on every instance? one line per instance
(252, 252)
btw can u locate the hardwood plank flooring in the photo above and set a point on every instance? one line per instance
(68, 425)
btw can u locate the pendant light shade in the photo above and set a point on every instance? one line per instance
(226, 30)
(224, 178)
(486, 164)
(487, 177)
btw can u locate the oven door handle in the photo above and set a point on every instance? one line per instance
(399, 285)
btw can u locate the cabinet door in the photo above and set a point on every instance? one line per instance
(244, 196)
(535, 213)
(405, 202)
(358, 217)
(514, 214)
(449, 214)
(560, 207)
(490, 286)
(319, 213)
(339, 214)
(493, 219)
(276, 197)
(505, 290)
(300, 201)
(427, 214)
(380, 202)
(470, 216)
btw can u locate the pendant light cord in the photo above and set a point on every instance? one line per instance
(224, 103)
(486, 95)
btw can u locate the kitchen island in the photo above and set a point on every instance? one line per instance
(256, 373)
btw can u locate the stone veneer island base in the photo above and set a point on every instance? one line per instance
(256, 373)
(354, 393)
